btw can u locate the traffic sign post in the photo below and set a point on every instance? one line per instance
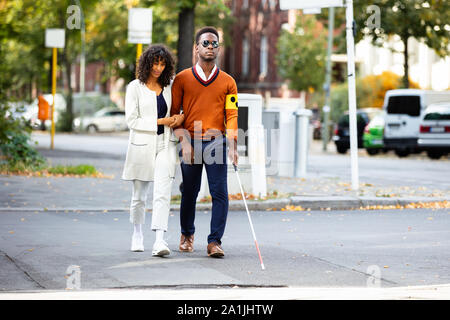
(54, 38)
(308, 4)
(140, 29)
(352, 94)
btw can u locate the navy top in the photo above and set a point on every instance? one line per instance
(162, 110)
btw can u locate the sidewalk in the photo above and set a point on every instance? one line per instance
(314, 192)
(436, 292)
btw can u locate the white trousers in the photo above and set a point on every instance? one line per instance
(162, 188)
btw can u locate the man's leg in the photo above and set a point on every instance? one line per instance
(192, 178)
(217, 180)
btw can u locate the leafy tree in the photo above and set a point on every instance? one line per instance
(424, 20)
(301, 54)
(370, 92)
(375, 86)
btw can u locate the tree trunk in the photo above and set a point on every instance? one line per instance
(185, 38)
(406, 63)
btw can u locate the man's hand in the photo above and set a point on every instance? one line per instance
(178, 120)
(232, 152)
(187, 152)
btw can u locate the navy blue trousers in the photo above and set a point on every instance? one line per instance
(213, 156)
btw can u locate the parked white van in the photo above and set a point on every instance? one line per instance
(434, 135)
(404, 110)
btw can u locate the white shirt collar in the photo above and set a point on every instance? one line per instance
(202, 74)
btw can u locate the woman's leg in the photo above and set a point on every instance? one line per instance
(137, 213)
(138, 199)
(162, 189)
(161, 199)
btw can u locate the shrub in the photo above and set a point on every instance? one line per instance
(15, 145)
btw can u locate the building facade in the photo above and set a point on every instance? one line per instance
(251, 57)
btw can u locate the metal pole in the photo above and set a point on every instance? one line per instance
(326, 109)
(296, 142)
(352, 95)
(54, 66)
(82, 63)
(138, 54)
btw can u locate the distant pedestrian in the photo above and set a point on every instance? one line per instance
(208, 97)
(151, 154)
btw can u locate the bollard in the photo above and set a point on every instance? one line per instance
(301, 141)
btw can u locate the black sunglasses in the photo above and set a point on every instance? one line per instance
(206, 43)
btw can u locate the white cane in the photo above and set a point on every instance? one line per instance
(249, 218)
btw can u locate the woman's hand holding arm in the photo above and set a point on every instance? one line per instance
(166, 121)
(179, 118)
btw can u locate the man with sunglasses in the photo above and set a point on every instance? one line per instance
(208, 97)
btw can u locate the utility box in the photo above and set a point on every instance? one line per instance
(282, 135)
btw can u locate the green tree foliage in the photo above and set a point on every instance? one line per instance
(424, 20)
(301, 54)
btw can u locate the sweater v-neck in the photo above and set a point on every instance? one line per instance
(203, 82)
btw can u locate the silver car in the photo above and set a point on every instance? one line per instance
(434, 133)
(106, 119)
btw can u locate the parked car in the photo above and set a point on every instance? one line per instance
(342, 130)
(373, 135)
(434, 133)
(91, 102)
(106, 119)
(404, 110)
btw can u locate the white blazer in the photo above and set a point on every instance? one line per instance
(141, 114)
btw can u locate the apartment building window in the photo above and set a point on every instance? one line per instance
(245, 56)
(264, 55)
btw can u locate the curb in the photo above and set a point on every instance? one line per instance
(306, 203)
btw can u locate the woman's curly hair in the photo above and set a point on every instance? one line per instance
(153, 54)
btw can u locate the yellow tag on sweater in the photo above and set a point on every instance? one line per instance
(231, 102)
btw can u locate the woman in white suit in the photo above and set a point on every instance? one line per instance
(151, 154)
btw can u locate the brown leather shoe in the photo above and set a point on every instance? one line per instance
(187, 243)
(215, 250)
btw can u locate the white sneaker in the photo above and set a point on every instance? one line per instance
(160, 249)
(137, 243)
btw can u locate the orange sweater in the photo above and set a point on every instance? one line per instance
(205, 102)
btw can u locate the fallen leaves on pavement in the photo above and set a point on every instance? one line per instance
(415, 205)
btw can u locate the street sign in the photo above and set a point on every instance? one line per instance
(140, 25)
(307, 4)
(54, 38)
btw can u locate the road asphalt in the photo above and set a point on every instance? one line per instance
(33, 255)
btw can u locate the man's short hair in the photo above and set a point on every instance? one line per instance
(206, 30)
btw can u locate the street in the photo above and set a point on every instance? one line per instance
(315, 249)
(50, 224)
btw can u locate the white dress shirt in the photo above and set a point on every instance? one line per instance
(202, 74)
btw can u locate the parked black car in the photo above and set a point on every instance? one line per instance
(342, 130)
